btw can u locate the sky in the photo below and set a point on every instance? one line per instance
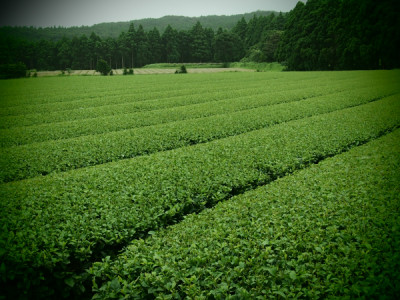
(67, 13)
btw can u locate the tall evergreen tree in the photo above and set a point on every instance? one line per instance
(123, 49)
(228, 47)
(200, 45)
(241, 29)
(271, 44)
(94, 39)
(170, 45)
(131, 44)
(184, 46)
(142, 47)
(155, 46)
(279, 22)
(46, 56)
(64, 53)
(210, 37)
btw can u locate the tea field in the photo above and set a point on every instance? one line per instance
(201, 186)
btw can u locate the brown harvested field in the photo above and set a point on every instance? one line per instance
(145, 71)
(190, 70)
(73, 72)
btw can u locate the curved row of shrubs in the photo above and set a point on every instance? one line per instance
(329, 231)
(54, 227)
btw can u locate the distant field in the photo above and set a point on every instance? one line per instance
(218, 185)
(188, 65)
(165, 69)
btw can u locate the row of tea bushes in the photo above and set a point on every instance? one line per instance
(54, 94)
(54, 227)
(329, 231)
(133, 99)
(54, 156)
(62, 130)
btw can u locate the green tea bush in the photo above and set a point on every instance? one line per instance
(330, 231)
(27, 161)
(53, 227)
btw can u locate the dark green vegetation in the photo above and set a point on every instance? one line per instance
(17, 70)
(111, 162)
(338, 35)
(182, 70)
(113, 30)
(136, 46)
(331, 230)
(103, 67)
(318, 35)
(64, 140)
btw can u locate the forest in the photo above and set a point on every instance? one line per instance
(113, 29)
(316, 35)
(137, 47)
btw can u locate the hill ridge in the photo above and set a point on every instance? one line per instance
(113, 29)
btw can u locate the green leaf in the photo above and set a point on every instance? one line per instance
(292, 275)
(115, 285)
(272, 271)
(280, 293)
(70, 282)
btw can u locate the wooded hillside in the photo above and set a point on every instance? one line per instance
(105, 30)
(137, 47)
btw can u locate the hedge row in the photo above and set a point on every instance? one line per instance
(54, 156)
(102, 106)
(73, 92)
(98, 99)
(63, 130)
(329, 231)
(54, 227)
(69, 87)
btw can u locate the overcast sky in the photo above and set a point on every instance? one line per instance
(45, 13)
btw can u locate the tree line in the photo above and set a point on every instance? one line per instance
(316, 35)
(114, 29)
(137, 47)
(340, 35)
